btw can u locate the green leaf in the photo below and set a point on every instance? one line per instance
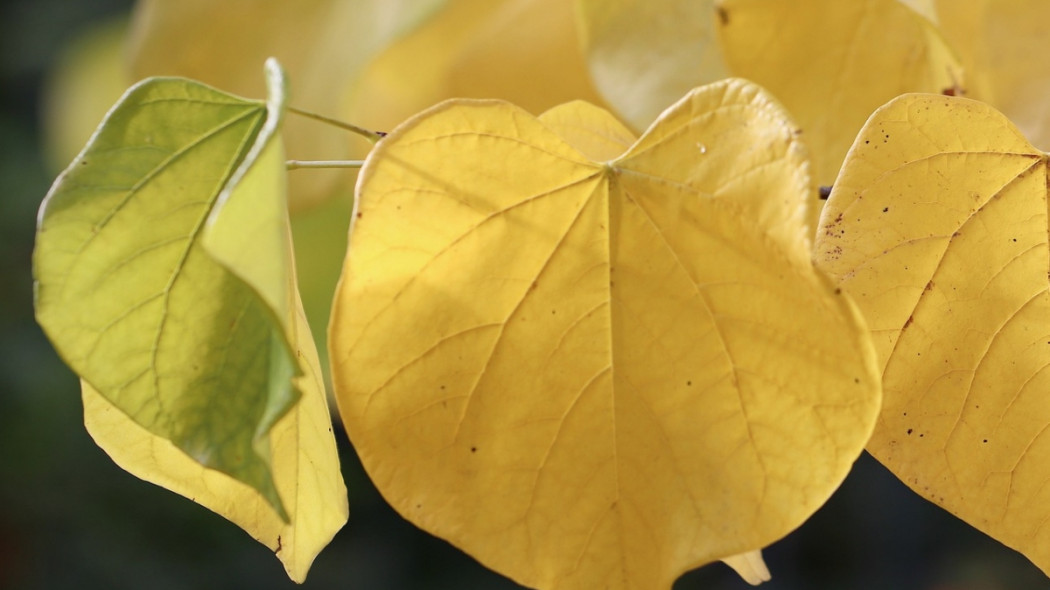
(162, 268)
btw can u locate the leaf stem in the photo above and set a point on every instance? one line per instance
(297, 164)
(372, 136)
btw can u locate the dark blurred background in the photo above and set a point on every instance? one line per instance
(69, 518)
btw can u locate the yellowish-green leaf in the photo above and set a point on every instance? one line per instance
(937, 226)
(597, 373)
(324, 44)
(644, 55)
(832, 63)
(127, 290)
(304, 460)
(1003, 48)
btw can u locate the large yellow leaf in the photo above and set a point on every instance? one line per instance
(938, 227)
(592, 367)
(1003, 47)
(833, 62)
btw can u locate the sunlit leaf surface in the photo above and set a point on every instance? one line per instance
(593, 367)
(165, 280)
(937, 226)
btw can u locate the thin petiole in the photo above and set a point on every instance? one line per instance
(372, 136)
(298, 164)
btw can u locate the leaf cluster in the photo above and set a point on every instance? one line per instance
(599, 335)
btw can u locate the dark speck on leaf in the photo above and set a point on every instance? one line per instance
(689, 383)
(909, 431)
(473, 449)
(885, 209)
(985, 440)
(723, 15)
(825, 192)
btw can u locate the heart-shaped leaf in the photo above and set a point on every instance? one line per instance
(592, 367)
(937, 225)
(165, 280)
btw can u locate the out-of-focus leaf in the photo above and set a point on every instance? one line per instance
(937, 225)
(322, 43)
(525, 51)
(644, 55)
(927, 8)
(413, 72)
(89, 76)
(1003, 46)
(591, 367)
(832, 63)
(165, 280)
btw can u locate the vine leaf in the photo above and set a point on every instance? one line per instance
(164, 278)
(937, 226)
(592, 362)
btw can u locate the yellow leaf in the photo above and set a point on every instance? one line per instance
(832, 62)
(525, 51)
(750, 567)
(938, 227)
(644, 55)
(412, 73)
(1003, 47)
(597, 373)
(304, 462)
(927, 8)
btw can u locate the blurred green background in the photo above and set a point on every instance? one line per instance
(69, 518)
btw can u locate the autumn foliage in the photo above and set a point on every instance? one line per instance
(595, 325)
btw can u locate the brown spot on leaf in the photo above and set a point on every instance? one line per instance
(723, 15)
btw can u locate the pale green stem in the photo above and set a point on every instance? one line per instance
(372, 136)
(297, 164)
